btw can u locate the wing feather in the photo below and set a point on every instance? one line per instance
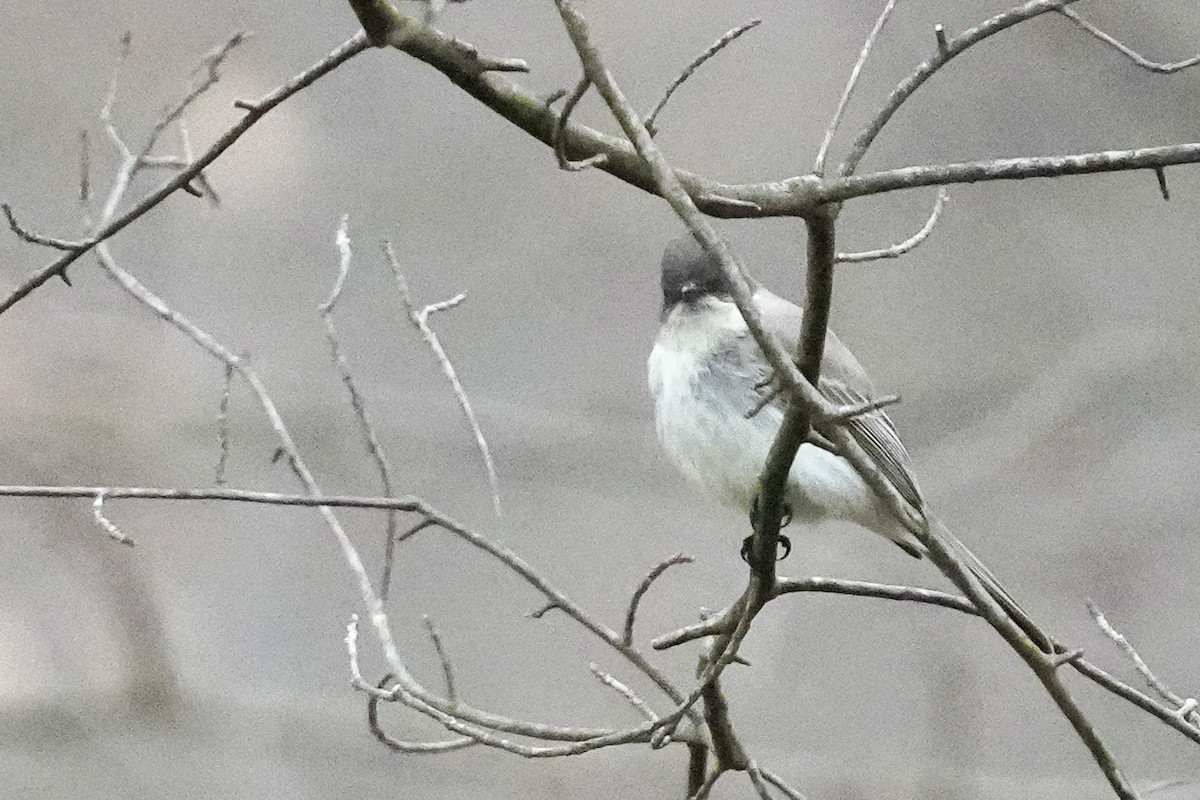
(844, 381)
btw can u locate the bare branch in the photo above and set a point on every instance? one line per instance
(728, 38)
(1159, 67)
(756, 780)
(447, 669)
(643, 587)
(724, 621)
(1143, 701)
(1143, 668)
(638, 703)
(105, 524)
(223, 426)
(1005, 169)
(34, 238)
(864, 54)
(412, 504)
(260, 108)
(358, 401)
(420, 320)
(727, 748)
(560, 123)
(900, 248)
(85, 169)
(780, 784)
(954, 47)
(399, 745)
(709, 782)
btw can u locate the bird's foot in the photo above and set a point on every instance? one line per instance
(784, 545)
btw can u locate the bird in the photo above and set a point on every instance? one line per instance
(707, 377)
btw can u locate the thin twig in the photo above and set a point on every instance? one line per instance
(358, 401)
(954, 47)
(35, 238)
(643, 587)
(728, 38)
(756, 780)
(1143, 668)
(1159, 67)
(420, 320)
(780, 784)
(256, 111)
(105, 524)
(851, 82)
(727, 747)
(223, 426)
(634, 700)
(900, 248)
(189, 155)
(439, 648)
(400, 745)
(560, 124)
(709, 782)
(85, 169)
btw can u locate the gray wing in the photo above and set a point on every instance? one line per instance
(845, 382)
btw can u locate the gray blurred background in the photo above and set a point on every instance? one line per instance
(1045, 341)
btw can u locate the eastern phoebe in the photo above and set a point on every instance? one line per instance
(707, 375)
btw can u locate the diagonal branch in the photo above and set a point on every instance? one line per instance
(254, 112)
(727, 39)
(953, 47)
(851, 82)
(1159, 67)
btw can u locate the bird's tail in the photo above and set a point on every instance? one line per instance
(994, 588)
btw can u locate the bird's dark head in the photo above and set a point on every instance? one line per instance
(689, 275)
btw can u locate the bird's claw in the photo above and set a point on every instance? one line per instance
(784, 544)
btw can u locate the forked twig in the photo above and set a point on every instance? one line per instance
(851, 82)
(1186, 708)
(420, 319)
(358, 401)
(256, 111)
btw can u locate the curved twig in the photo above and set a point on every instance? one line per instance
(900, 248)
(728, 38)
(643, 587)
(1159, 67)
